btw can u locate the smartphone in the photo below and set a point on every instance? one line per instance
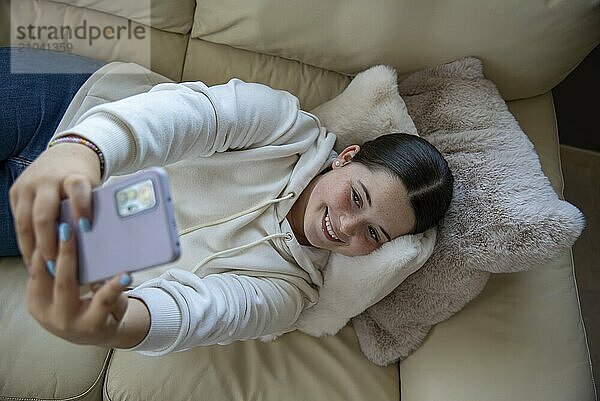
(133, 227)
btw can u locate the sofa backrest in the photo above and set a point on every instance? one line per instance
(313, 47)
(527, 46)
(171, 16)
(165, 26)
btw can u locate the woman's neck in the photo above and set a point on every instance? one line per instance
(296, 214)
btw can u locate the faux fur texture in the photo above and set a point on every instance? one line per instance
(369, 107)
(352, 284)
(504, 216)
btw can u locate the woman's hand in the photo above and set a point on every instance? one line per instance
(56, 304)
(65, 170)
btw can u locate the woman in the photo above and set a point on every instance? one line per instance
(259, 193)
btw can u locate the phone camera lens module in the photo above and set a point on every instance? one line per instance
(135, 198)
(121, 197)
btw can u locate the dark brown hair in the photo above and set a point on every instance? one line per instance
(421, 168)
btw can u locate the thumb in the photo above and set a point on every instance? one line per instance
(109, 300)
(120, 307)
(120, 304)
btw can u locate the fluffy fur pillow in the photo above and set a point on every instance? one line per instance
(369, 107)
(504, 217)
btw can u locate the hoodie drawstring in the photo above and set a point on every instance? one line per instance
(235, 216)
(287, 236)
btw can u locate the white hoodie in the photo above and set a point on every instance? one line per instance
(237, 156)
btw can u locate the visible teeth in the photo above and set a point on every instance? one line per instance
(329, 229)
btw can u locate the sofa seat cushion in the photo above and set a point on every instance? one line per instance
(296, 367)
(521, 339)
(35, 364)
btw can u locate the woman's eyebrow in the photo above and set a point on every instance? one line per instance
(366, 192)
(369, 202)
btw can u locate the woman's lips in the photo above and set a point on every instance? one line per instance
(325, 230)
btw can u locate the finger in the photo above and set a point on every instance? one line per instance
(66, 284)
(24, 225)
(79, 190)
(45, 214)
(94, 287)
(106, 300)
(39, 287)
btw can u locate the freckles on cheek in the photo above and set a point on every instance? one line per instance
(340, 193)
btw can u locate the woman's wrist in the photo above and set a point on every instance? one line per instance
(75, 139)
(80, 158)
(134, 326)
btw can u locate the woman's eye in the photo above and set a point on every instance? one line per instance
(373, 233)
(355, 197)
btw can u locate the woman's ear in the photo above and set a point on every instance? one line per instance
(345, 156)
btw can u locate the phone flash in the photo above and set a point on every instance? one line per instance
(135, 198)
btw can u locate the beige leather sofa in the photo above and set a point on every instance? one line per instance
(522, 339)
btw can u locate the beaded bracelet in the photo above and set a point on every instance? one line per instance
(78, 139)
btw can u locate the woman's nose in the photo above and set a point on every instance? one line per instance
(349, 224)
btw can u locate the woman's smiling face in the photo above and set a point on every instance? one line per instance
(353, 211)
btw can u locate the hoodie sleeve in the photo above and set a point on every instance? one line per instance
(173, 122)
(188, 311)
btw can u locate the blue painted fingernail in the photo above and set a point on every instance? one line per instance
(64, 231)
(84, 224)
(51, 267)
(125, 280)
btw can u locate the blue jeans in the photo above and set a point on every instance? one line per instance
(32, 105)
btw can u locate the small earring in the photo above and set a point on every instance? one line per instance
(337, 163)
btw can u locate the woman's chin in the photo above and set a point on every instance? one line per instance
(317, 242)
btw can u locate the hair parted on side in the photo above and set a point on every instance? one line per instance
(421, 168)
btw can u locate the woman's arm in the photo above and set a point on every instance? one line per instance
(190, 311)
(173, 122)
(186, 310)
(134, 325)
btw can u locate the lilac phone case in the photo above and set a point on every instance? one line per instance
(115, 243)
